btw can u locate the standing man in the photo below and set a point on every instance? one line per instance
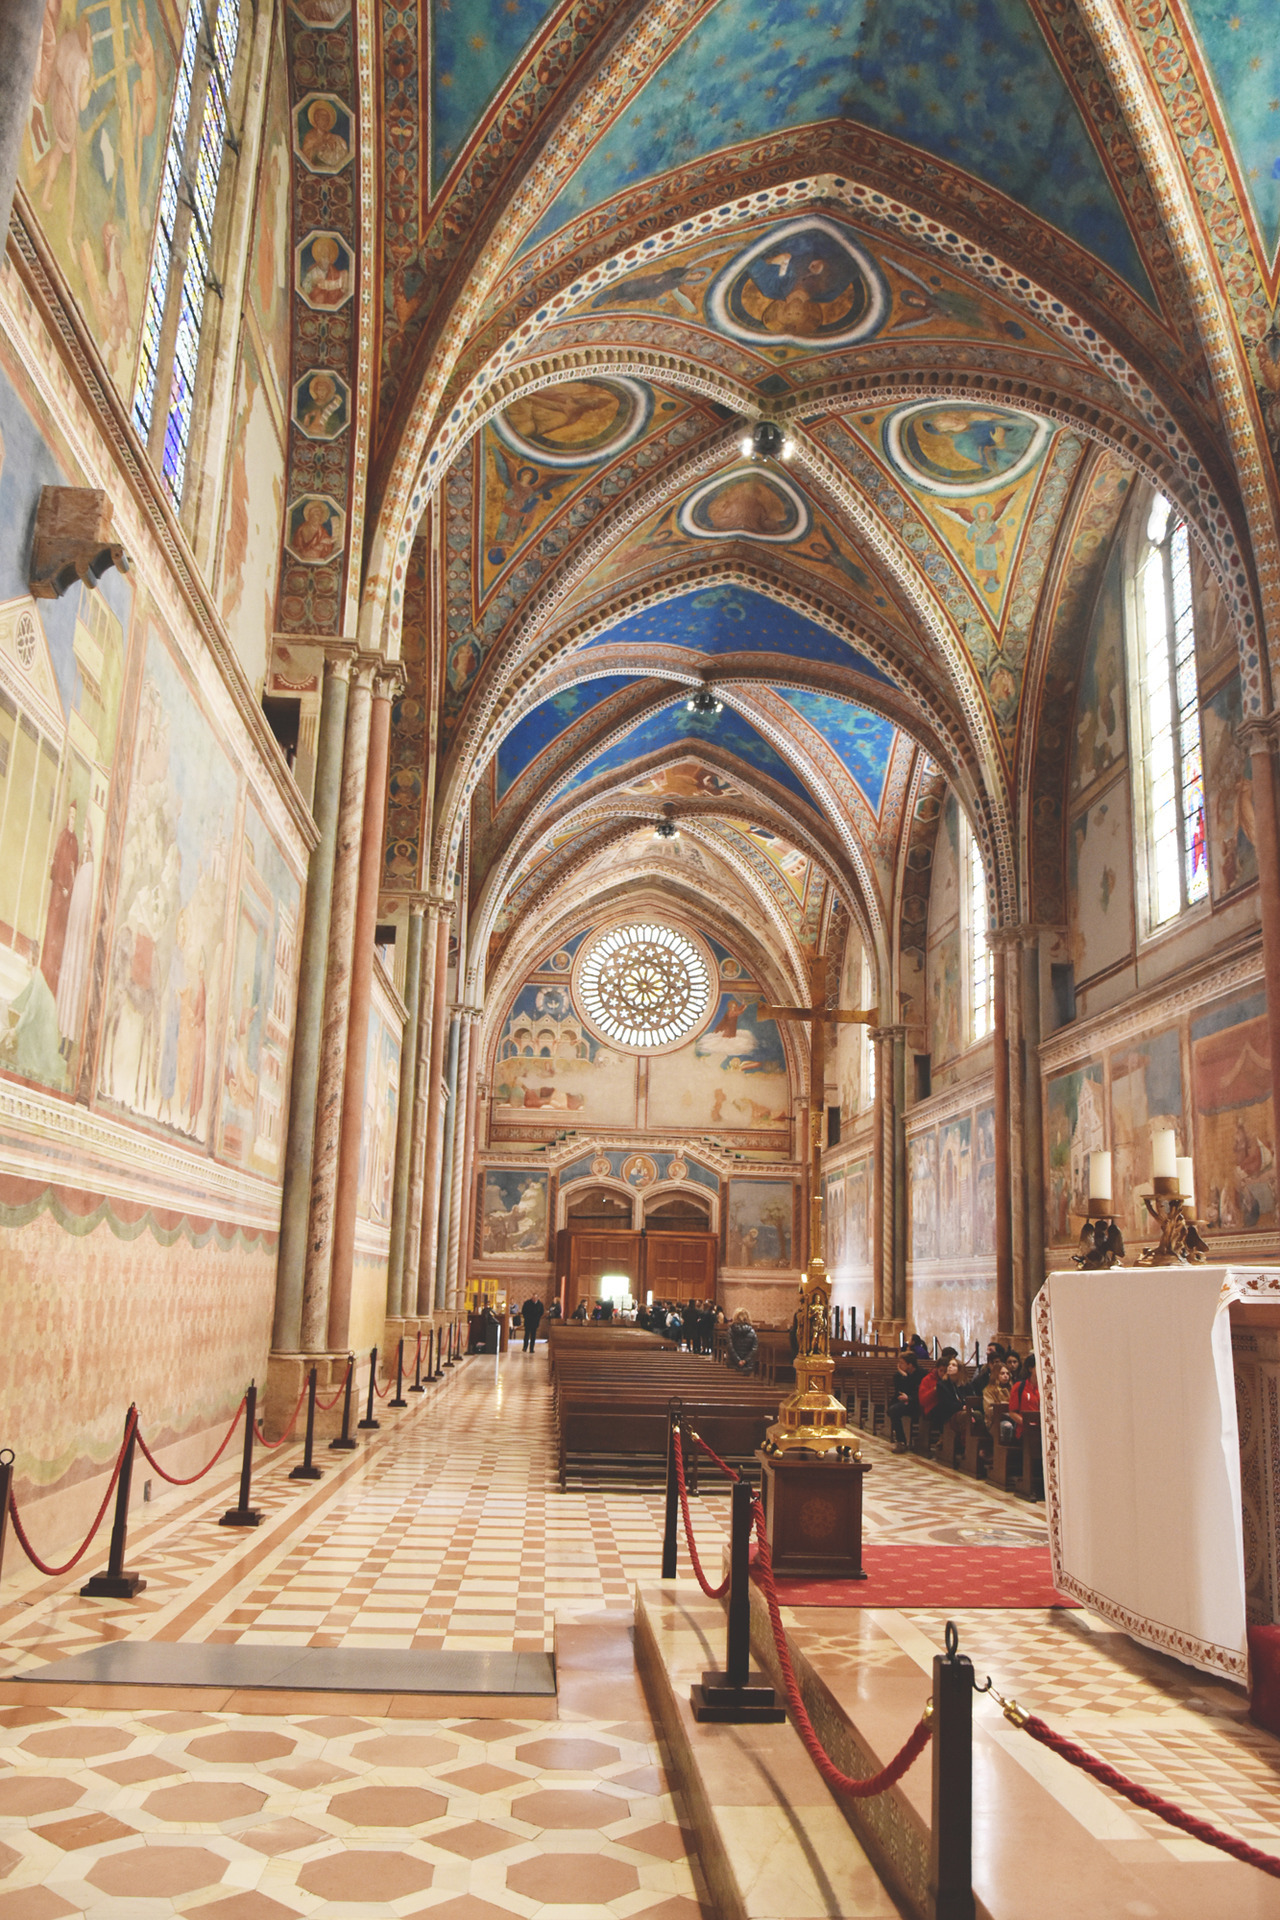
(530, 1316)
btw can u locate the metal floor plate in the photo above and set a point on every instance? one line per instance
(167, 1663)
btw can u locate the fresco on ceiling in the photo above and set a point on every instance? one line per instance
(727, 731)
(731, 619)
(863, 741)
(920, 298)
(539, 729)
(806, 283)
(734, 1075)
(751, 506)
(760, 1226)
(795, 886)
(687, 780)
(976, 81)
(972, 472)
(747, 504)
(544, 450)
(473, 49)
(549, 1065)
(1235, 1129)
(1239, 49)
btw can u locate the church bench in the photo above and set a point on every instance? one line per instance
(1006, 1455)
(622, 1427)
(1030, 1480)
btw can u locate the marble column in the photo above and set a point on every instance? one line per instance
(333, 1039)
(1033, 1160)
(309, 1018)
(397, 1305)
(365, 924)
(1259, 736)
(900, 1173)
(434, 1121)
(1003, 1169)
(463, 1093)
(887, 1233)
(20, 24)
(445, 1206)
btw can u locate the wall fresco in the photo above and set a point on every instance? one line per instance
(1073, 1125)
(760, 1224)
(1146, 1093)
(1228, 781)
(1234, 1116)
(1100, 884)
(254, 1081)
(733, 1076)
(513, 1213)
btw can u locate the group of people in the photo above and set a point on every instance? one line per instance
(693, 1325)
(1001, 1391)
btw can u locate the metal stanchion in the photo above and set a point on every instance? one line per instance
(242, 1514)
(309, 1470)
(6, 1489)
(346, 1442)
(115, 1583)
(417, 1386)
(399, 1400)
(672, 1517)
(951, 1835)
(737, 1695)
(369, 1423)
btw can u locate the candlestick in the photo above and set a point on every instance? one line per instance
(1164, 1154)
(1100, 1176)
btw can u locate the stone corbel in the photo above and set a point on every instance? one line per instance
(72, 541)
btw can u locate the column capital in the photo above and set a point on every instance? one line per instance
(339, 659)
(442, 905)
(389, 679)
(392, 900)
(887, 1033)
(1259, 732)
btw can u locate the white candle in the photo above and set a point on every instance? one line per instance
(1187, 1180)
(1164, 1154)
(1099, 1176)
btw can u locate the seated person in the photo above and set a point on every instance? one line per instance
(1024, 1395)
(995, 1394)
(986, 1373)
(904, 1398)
(948, 1399)
(743, 1342)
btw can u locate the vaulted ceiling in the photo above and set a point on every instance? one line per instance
(982, 263)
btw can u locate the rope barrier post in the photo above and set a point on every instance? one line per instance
(672, 1519)
(449, 1360)
(737, 1696)
(399, 1400)
(951, 1835)
(369, 1424)
(309, 1470)
(6, 1489)
(417, 1386)
(346, 1443)
(115, 1583)
(242, 1514)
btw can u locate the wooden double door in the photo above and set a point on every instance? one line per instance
(671, 1266)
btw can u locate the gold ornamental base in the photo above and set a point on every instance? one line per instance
(812, 1420)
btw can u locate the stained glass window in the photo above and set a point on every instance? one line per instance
(1172, 764)
(184, 233)
(974, 896)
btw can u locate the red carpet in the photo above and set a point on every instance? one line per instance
(911, 1576)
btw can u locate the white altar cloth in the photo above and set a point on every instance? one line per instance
(1142, 1454)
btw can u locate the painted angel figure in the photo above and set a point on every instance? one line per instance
(986, 536)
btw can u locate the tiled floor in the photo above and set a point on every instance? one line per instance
(449, 1532)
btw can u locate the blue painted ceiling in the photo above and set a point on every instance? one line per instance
(735, 620)
(675, 725)
(864, 741)
(971, 81)
(474, 45)
(535, 733)
(1239, 45)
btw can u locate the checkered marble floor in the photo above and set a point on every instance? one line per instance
(448, 1531)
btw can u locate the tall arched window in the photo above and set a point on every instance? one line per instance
(973, 927)
(1169, 770)
(182, 262)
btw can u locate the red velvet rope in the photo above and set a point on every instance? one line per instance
(1143, 1797)
(382, 1392)
(83, 1548)
(326, 1406)
(271, 1445)
(173, 1479)
(840, 1782)
(730, 1473)
(712, 1593)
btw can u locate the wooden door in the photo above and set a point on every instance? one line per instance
(680, 1266)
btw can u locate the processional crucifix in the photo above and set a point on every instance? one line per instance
(812, 1418)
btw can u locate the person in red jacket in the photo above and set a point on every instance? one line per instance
(1024, 1395)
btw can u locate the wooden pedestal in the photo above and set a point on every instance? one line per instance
(813, 1513)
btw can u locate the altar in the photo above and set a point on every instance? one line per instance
(1152, 1522)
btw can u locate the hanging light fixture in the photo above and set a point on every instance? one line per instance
(666, 828)
(704, 703)
(765, 440)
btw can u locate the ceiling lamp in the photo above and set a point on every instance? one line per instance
(704, 704)
(766, 441)
(666, 828)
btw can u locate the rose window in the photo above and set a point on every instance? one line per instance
(644, 986)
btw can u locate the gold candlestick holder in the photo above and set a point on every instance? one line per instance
(1180, 1244)
(1101, 1242)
